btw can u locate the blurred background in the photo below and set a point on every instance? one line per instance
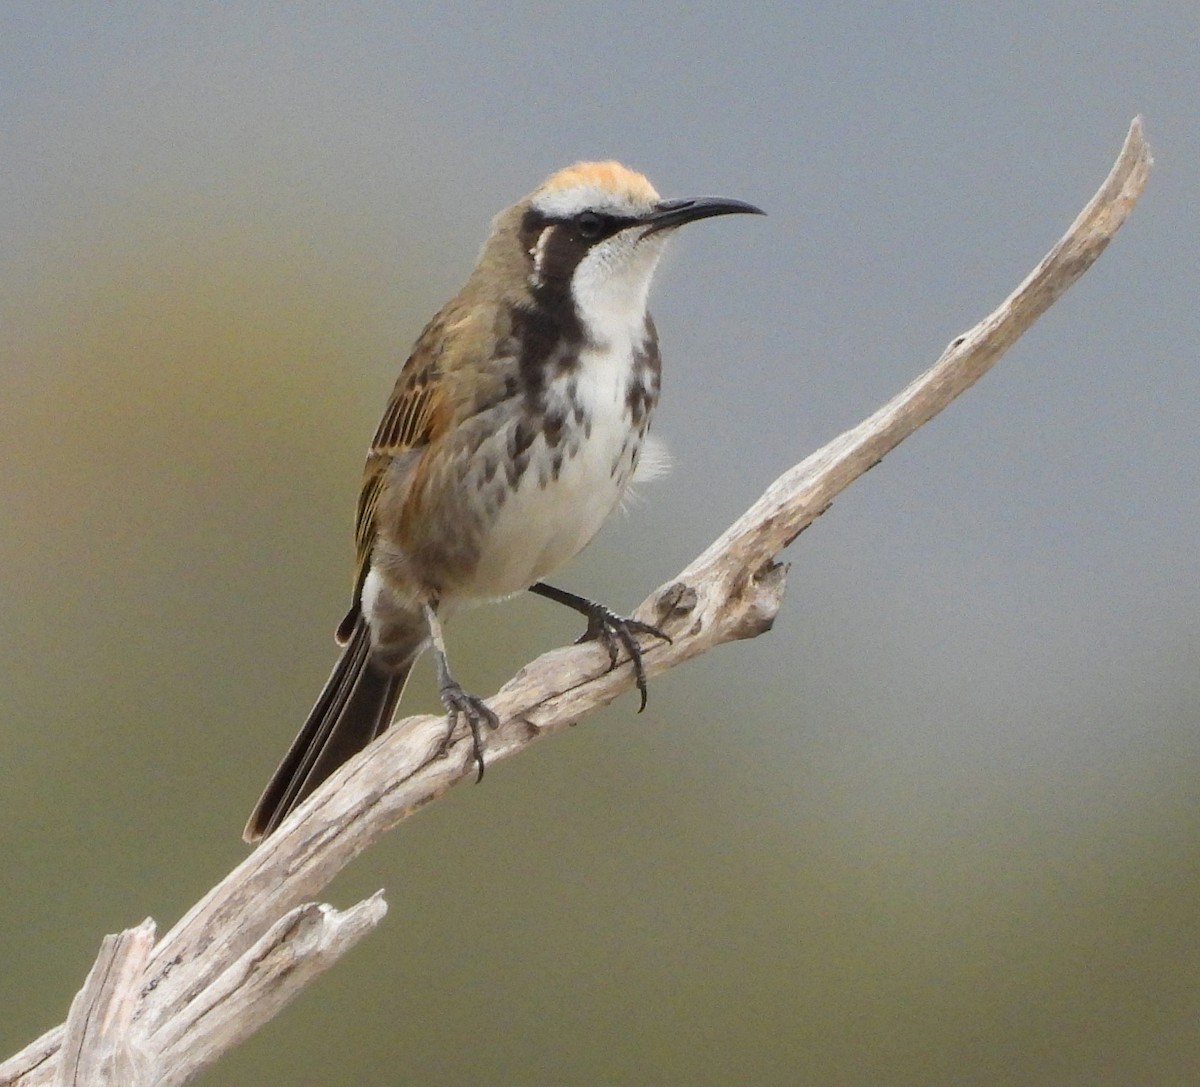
(941, 826)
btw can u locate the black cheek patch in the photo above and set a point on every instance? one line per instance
(532, 225)
(561, 254)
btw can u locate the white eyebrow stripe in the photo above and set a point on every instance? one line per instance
(564, 203)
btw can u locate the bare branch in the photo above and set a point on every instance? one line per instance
(98, 1050)
(295, 950)
(249, 945)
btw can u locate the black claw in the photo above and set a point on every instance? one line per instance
(477, 713)
(615, 633)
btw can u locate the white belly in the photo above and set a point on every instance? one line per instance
(548, 518)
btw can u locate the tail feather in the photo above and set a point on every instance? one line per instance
(355, 706)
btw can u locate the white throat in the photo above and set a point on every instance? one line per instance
(610, 288)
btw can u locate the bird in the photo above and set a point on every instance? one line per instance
(514, 429)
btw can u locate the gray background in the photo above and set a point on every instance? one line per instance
(939, 827)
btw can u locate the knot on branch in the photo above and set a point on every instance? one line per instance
(756, 598)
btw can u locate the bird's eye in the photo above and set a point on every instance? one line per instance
(590, 225)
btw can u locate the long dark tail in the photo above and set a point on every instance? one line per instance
(354, 707)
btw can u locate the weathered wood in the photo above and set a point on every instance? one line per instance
(99, 1049)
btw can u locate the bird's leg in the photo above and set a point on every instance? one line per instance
(454, 698)
(613, 631)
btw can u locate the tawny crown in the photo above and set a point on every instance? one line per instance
(610, 175)
(594, 185)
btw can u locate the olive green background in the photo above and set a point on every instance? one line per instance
(940, 827)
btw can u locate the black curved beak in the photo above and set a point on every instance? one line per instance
(670, 213)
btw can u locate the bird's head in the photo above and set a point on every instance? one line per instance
(594, 232)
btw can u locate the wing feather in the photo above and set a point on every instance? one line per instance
(414, 415)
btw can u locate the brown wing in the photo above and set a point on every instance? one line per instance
(408, 422)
